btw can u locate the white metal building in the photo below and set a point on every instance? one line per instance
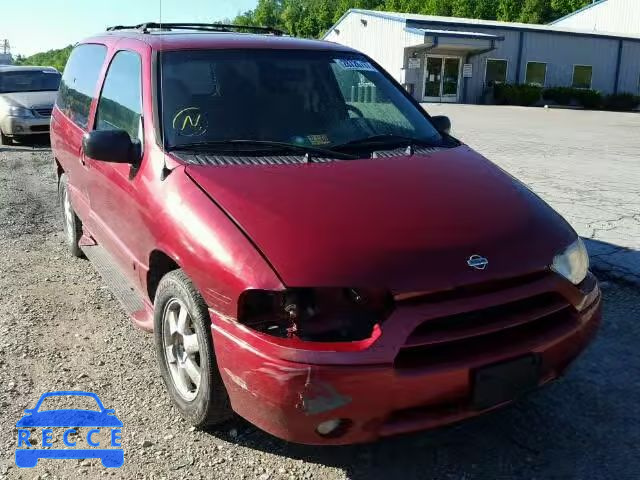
(444, 59)
(613, 16)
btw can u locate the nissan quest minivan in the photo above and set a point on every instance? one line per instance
(27, 95)
(311, 249)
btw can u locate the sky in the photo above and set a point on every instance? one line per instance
(33, 26)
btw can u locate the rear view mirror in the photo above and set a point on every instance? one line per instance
(442, 123)
(111, 146)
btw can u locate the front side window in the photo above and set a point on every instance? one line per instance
(536, 73)
(79, 82)
(120, 104)
(29, 81)
(582, 76)
(307, 98)
(496, 72)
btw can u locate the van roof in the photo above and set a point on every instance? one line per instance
(163, 40)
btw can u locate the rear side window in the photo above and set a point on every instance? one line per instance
(120, 104)
(79, 82)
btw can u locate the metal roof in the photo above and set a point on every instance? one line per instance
(417, 20)
(580, 10)
(454, 33)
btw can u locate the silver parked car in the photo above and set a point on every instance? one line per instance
(27, 95)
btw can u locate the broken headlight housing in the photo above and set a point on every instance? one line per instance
(316, 314)
(573, 262)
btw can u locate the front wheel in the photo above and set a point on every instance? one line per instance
(184, 347)
(4, 140)
(71, 223)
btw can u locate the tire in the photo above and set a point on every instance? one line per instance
(204, 403)
(4, 140)
(71, 223)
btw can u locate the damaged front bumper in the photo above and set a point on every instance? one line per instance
(407, 380)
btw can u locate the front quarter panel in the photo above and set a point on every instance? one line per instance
(214, 253)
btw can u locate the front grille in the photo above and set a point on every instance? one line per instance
(43, 112)
(39, 128)
(466, 337)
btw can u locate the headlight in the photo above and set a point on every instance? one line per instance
(573, 262)
(316, 314)
(20, 112)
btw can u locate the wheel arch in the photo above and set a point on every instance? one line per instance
(160, 263)
(58, 168)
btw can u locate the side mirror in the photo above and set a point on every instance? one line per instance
(442, 123)
(111, 146)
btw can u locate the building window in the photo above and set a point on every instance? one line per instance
(496, 72)
(536, 73)
(582, 76)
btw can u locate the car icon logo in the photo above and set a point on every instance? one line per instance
(70, 419)
(478, 262)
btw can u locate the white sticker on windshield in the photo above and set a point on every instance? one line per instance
(353, 64)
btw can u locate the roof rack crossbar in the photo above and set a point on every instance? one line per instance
(203, 27)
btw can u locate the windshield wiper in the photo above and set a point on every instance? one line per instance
(387, 140)
(308, 150)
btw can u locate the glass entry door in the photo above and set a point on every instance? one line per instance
(441, 79)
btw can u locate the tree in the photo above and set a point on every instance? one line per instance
(485, 9)
(509, 10)
(268, 13)
(535, 11)
(565, 7)
(56, 58)
(462, 8)
(437, 7)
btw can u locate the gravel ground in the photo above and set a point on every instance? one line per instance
(62, 329)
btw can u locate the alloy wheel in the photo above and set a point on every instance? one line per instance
(68, 217)
(181, 349)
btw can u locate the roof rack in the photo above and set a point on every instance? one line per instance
(203, 27)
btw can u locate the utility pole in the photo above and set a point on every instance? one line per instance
(6, 48)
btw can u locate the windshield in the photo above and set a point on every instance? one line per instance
(313, 98)
(29, 81)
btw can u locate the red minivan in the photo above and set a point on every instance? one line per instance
(311, 249)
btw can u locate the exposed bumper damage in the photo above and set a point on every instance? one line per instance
(290, 392)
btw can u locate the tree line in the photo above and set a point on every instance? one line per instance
(312, 18)
(51, 58)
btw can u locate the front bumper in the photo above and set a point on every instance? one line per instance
(397, 384)
(18, 126)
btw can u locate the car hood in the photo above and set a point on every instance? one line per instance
(69, 418)
(30, 99)
(404, 223)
